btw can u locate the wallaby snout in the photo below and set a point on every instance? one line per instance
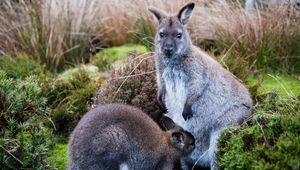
(168, 50)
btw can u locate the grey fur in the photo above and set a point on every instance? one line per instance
(197, 92)
(118, 136)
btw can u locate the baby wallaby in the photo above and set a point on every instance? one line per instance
(118, 136)
(196, 91)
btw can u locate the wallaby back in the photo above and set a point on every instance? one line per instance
(120, 136)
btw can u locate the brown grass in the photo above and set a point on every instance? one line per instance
(65, 31)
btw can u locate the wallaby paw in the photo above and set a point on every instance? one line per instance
(161, 103)
(187, 113)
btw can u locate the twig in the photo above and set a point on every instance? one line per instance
(131, 73)
(118, 78)
(199, 159)
(11, 155)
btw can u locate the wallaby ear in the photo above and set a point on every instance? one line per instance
(178, 139)
(158, 14)
(167, 123)
(185, 13)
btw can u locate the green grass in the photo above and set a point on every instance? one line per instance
(123, 51)
(105, 58)
(58, 156)
(284, 85)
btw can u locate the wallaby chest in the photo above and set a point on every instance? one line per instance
(176, 93)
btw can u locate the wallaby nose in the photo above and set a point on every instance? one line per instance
(168, 50)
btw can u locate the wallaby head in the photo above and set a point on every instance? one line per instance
(181, 139)
(172, 38)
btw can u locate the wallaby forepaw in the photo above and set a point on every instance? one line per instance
(187, 111)
(187, 116)
(161, 104)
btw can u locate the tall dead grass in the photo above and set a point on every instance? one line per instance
(265, 40)
(56, 32)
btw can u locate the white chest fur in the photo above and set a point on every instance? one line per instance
(176, 94)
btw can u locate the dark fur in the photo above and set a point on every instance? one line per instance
(113, 135)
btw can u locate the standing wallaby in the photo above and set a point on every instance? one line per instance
(118, 136)
(196, 91)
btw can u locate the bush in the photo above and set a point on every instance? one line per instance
(20, 66)
(270, 141)
(25, 140)
(70, 98)
(134, 84)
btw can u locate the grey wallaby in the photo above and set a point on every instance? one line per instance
(118, 136)
(197, 93)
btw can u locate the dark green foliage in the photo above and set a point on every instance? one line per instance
(20, 66)
(269, 141)
(70, 98)
(133, 84)
(24, 140)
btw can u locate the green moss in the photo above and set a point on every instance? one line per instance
(20, 66)
(58, 157)
(70, 97)
(283, 84)
(269, 141)
(108, 56)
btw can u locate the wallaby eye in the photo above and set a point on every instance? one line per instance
(162, 35)
(178, 35)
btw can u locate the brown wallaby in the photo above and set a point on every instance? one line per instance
(196, 91)
(118, 136)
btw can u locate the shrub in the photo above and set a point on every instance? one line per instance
(25, 140)
(134, 84)
(70, 98)
(20, 67)
(270, 141)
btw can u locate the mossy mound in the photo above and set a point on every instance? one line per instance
(70, 97)
(20, 66)
(269, 141)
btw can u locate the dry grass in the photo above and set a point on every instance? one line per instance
(60, 32)
(261, 40)
(54, 33)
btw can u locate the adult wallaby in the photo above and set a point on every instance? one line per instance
(119, 136)
(195, 90)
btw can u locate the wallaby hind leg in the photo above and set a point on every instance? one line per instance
(212, 151)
